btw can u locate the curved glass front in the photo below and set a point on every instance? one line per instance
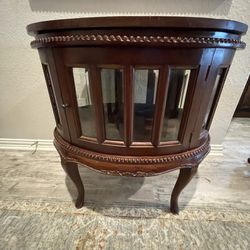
(144, 89)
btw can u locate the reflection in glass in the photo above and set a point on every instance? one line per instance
(177, 91)
(85, 106)
(145, 87)
(112, 95)
(212, 97)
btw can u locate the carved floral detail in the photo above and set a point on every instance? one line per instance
(123, 173)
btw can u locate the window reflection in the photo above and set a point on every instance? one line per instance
(112, 94)
(177, 91)
(212, 99)
(145, 87)
(85, 106)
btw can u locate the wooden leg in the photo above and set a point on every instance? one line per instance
(72, 171)
(185, 176)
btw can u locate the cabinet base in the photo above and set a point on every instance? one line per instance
(187, 162)
(130, 165)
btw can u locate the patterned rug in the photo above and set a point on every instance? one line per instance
(58, 225)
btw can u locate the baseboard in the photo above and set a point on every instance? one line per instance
(26, 144)
(216, 149)
(32, 145)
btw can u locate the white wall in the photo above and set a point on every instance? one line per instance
(25, 110)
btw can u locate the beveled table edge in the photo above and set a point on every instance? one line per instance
(171, 22)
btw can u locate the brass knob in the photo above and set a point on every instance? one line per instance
(65, 105)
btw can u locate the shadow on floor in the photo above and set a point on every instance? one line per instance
(103, 191)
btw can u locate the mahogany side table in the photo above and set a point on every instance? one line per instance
(135, 96)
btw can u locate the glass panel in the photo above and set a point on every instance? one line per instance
(212, 97)
(145, 86)
(112, 94)
(177, 91)
(85, 105)
(51, 93)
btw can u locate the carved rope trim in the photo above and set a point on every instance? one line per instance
(130, 159)
(127, 173)
(138, 39)
(123, 173)
(117, 172)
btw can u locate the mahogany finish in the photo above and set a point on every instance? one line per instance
(185, 61)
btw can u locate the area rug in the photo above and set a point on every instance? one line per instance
(58, 225)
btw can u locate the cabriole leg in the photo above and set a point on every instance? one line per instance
(72, 171)
(185, 176)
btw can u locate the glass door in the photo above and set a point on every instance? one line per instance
(126, 104)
